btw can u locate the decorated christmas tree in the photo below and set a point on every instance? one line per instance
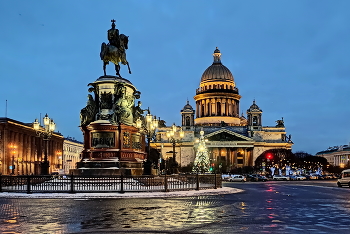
(201, 162)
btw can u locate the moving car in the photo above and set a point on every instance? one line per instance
(344, 179)
(239, 178)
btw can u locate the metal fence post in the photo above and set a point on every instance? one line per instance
(197, 177)
(121, 183)
(28, 185)
(71, 183)
(165, 183)
(215, 186)
(0, 183)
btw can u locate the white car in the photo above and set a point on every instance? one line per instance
(344, 179)
(281, 177)
(237, 178)
(225, 177)
(300, 177)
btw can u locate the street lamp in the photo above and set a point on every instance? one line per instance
(172, 139)
(148, 127)
(45, 132)
(13, 148)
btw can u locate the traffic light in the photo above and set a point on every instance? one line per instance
(212, 167)
(269, 156)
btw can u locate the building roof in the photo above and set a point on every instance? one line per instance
(254, 108)
(187, 107)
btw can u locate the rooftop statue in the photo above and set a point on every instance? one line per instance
(115, 50)
(280, 123)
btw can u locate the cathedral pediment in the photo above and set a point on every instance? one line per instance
(226, 135)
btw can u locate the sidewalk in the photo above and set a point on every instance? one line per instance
(207, 192)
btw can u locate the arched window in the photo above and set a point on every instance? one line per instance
(255, 121)
(188, 121)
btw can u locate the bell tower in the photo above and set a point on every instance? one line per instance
(187, 116)
(254, 114)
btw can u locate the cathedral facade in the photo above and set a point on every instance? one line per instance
(233, 140)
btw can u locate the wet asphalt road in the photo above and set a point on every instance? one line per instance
(263, 207)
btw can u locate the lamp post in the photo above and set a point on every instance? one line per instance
(13, 148)
(45, 132)
(172, 139)
(148, 127)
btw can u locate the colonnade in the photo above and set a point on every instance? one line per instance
(217, 107)
(232, 157)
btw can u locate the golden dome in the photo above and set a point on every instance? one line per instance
(217, 72)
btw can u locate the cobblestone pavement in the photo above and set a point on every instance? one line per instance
(263, 207)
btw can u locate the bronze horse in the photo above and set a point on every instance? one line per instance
(110, 53)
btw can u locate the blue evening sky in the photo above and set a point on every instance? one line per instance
(292, 57)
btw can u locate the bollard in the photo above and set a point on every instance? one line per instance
(121, 183)
(197, 176)
(71, 183)
(165, 183)
(215, 186)
(28, 185)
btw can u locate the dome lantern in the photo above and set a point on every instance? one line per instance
(217, 56)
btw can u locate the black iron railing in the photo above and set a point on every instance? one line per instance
(93, 184)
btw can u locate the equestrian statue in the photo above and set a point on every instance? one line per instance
(115, 50)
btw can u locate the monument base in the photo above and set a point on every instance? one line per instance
(107, 171)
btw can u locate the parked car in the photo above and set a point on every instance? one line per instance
(311, 177)
(225, 177)
(293, 177)
(314, 177)
(280, 177)
(300, 177)
(239, 178)
(256, 177)
(344, 179)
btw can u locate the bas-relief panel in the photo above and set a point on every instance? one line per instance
(272, 136)
(263, 136)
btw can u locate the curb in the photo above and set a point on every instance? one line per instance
(207, 192)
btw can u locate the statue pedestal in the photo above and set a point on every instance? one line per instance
(111, 149)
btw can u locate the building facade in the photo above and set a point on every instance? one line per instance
(71, 154)
(22, 151)
(233, 140)
(337, 155)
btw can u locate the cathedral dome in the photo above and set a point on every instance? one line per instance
(217, 71)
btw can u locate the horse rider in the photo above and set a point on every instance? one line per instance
(113, 36)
